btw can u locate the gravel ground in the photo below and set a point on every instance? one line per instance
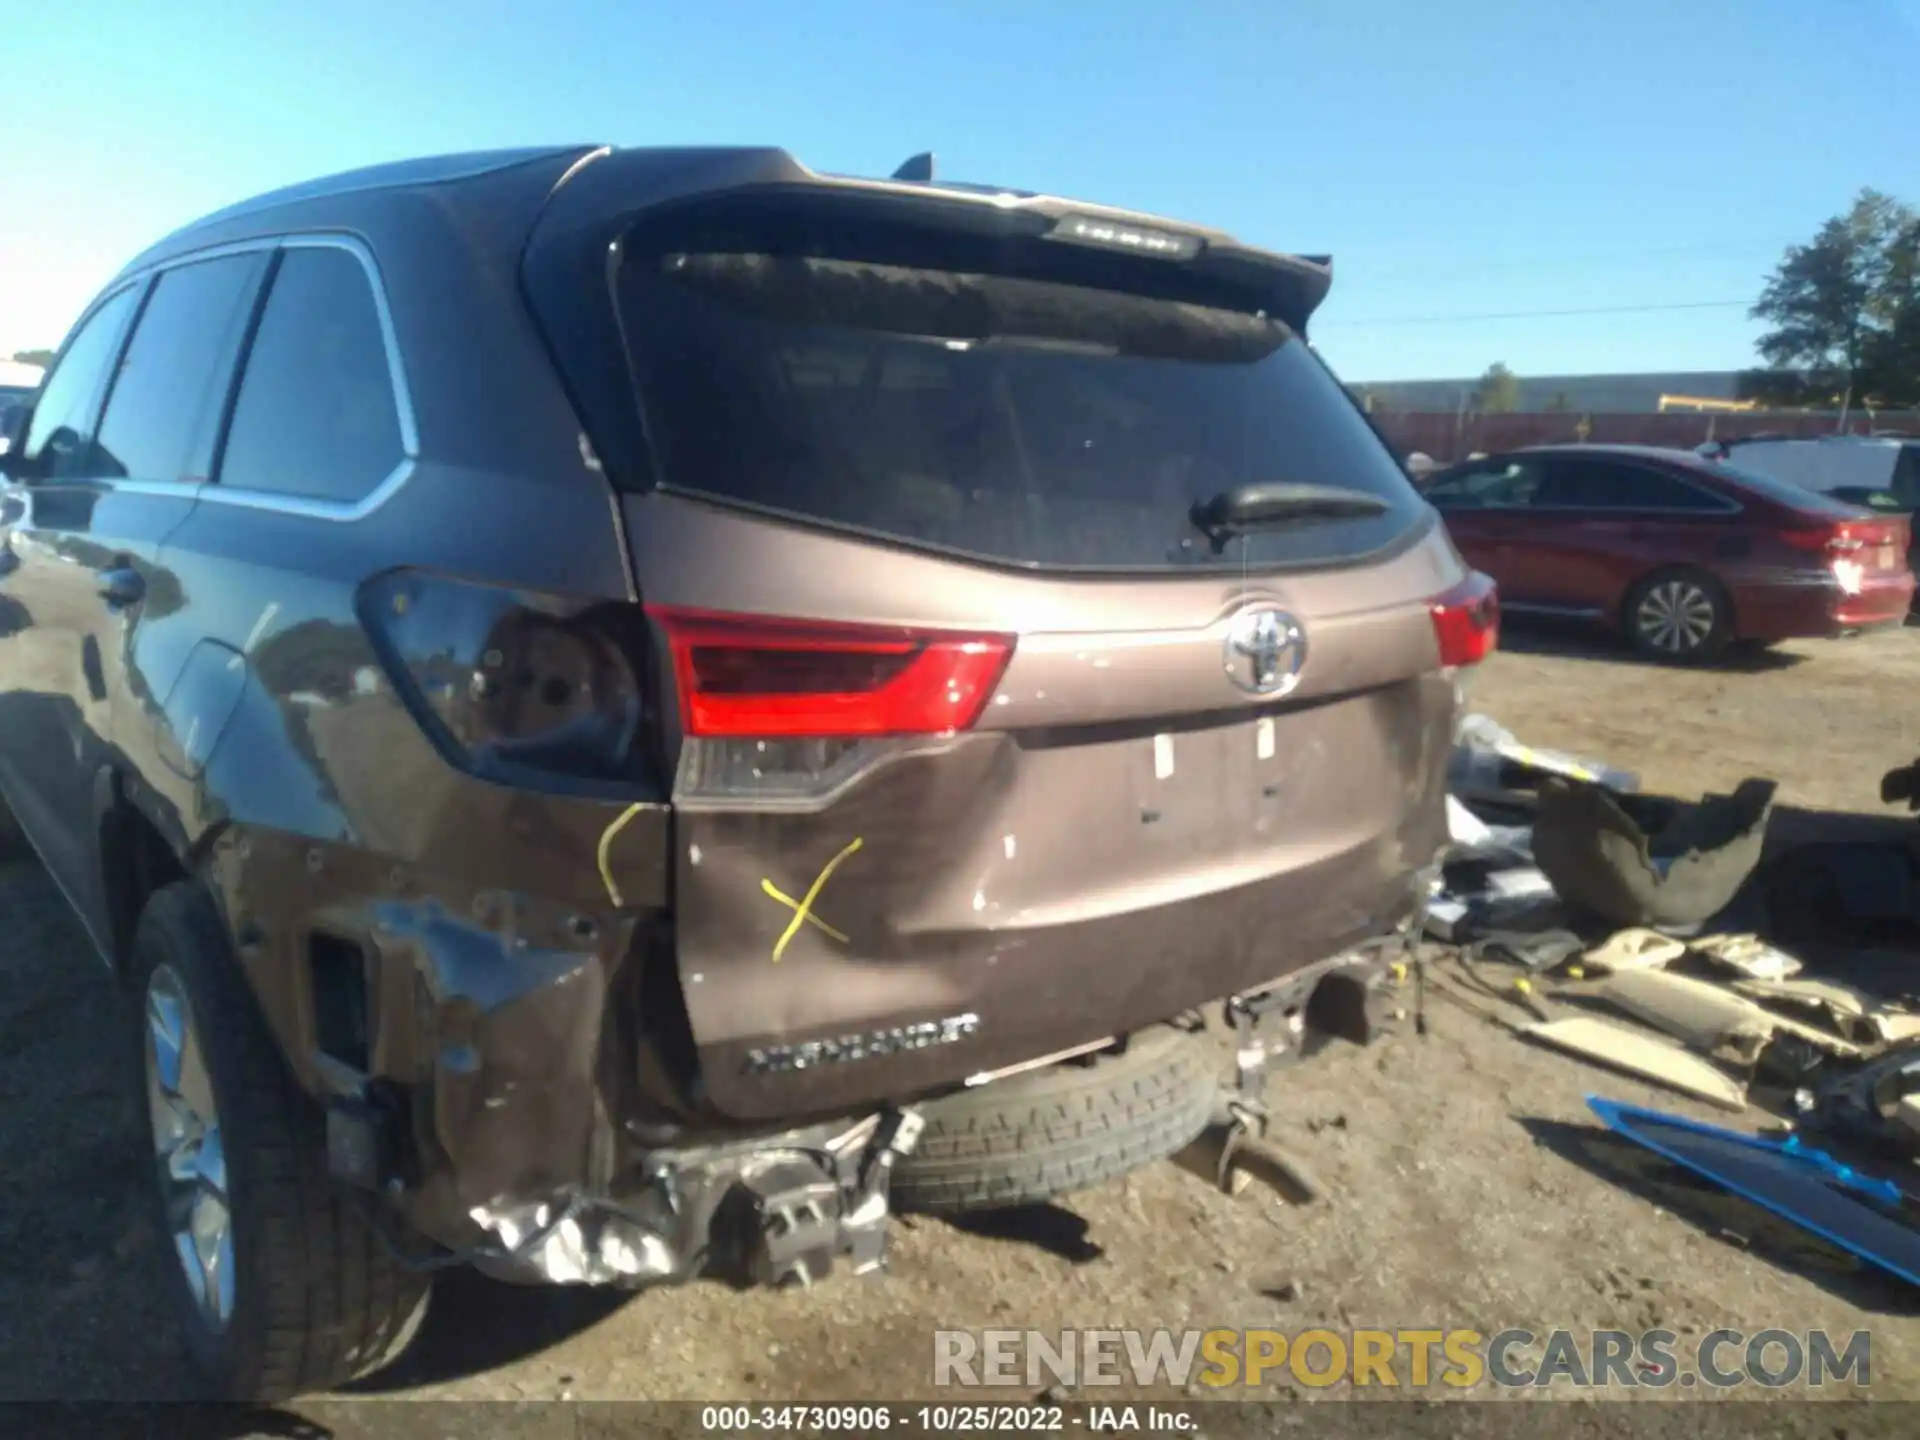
(1465, 1187)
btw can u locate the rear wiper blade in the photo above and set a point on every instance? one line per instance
(1266, 507)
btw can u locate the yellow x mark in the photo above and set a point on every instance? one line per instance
(803, 909)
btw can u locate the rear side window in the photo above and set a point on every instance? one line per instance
(1019, 420)
(1785, 492)
(1494, 485)
(316, 417)
(163, 408)
(1614, 485)
(60, 443)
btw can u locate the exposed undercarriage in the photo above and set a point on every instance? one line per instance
(788, 1207)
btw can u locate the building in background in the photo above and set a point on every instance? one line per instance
(1552, 394)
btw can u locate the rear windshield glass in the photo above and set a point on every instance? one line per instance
(1788, 493)
(1020, 420)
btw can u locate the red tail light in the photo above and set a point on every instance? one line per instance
(750, 676)
(1848, 538)
(1827, 540)
(1855, 546)
(1466, 621)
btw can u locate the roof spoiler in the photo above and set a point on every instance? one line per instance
(599, 202)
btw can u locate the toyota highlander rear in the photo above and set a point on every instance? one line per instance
(1044, 643)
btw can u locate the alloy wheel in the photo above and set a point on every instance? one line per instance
(1676, 616)
(189, 1148)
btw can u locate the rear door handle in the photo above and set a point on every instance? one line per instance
(121, 585)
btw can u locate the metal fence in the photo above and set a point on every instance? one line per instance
(1447, 436)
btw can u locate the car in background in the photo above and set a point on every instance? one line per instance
(1876, 472)
(1683, 555)
(17, 384)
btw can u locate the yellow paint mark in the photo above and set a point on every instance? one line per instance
(803, 911)
(792, 904)
(606, 847)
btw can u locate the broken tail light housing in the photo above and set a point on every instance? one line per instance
(509, 683)
(1466, 621)
(789, 712)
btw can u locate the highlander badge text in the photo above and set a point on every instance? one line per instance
(868, 1045)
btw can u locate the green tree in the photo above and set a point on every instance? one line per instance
(1840, 305)
(42, 358)
(1498, 391)
(1892, 350)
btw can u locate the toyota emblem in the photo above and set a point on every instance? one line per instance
(1265, 649)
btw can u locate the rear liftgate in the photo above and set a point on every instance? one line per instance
(841, 890)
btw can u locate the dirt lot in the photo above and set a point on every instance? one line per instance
(1467, 1188)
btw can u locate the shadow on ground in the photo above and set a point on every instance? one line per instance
(476, 1324)
(1057, 1231)
(1723, 1215)
(81, 1305)
(1567, 640)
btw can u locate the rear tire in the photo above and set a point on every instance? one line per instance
(1068, 1127)
(1679, 616)
(311, 1298)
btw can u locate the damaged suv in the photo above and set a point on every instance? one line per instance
(597, 697)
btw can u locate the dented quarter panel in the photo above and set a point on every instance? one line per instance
(329, 798)
(303, 788)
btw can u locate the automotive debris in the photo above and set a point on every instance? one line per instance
(1865, 1215)
(1489, 763)
(1746, 955)
(1232, 1161)
(1656, 872)
(1538, 951)
(1850, 1014)
(1642, 1054)
(1634, 949)
(1877, 1103)
(1707, 1018)
(1632, 862)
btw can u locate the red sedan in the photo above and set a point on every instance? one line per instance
(1681, 555)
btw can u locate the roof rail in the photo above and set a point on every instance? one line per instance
(917, 169)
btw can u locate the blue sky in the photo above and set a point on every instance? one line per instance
(1472, 159)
